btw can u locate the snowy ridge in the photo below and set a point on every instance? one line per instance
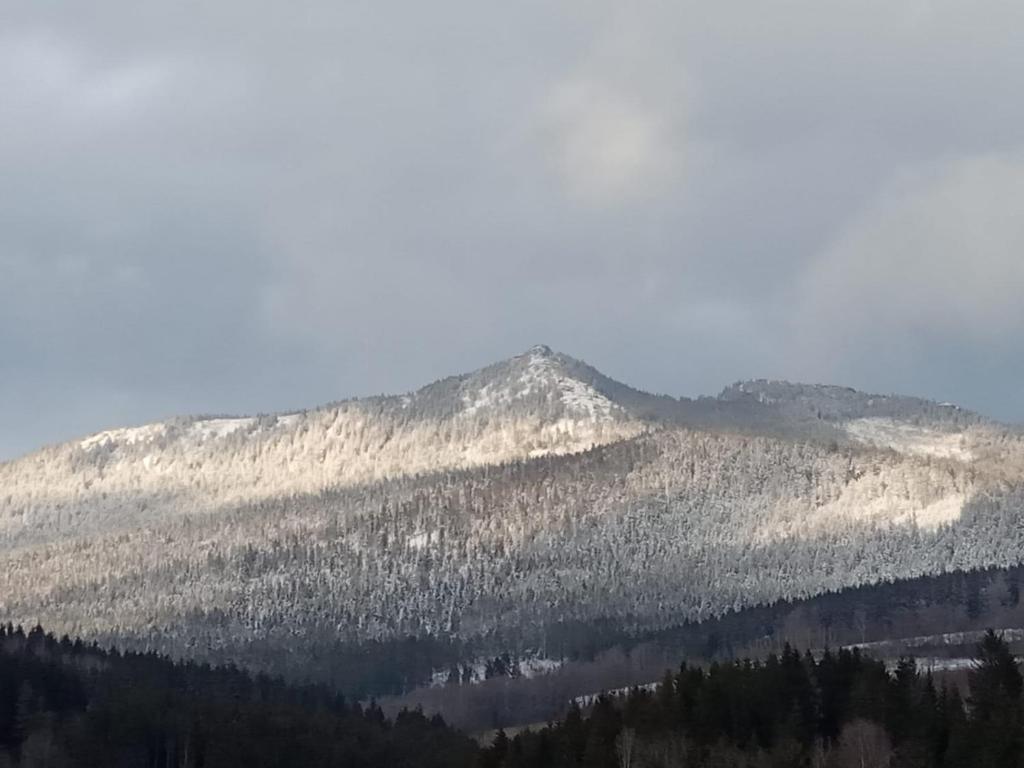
(196, 432)
(525, 407)
(126, 436)
(213, 429)
(834, 404)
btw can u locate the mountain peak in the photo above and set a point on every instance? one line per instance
(539, 350)
(539, 381)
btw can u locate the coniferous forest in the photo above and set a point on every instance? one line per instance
(63, 703)
(840, 710)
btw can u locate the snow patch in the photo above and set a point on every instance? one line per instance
(542, 373)
(584, 399)
(197, 433)
(885, 509)
(969, 637)
(528, 668)
(213, 429)
(590, 699)
(423, 540)
(127, 436)
(929, 664)
(908, 438)
(538, 666)
(931, 516)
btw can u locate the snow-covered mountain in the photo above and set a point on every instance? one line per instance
(530, 493)
(531, 405)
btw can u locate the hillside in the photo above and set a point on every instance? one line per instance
(527, 406)
(492, 507)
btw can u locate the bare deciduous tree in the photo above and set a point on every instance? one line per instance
(862, 744)
(625, 746)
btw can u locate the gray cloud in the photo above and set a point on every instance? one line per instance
(244, 207)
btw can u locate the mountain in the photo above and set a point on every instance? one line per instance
(535, 404)
(496, 509)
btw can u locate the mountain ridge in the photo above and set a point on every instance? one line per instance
(522, 407)
(490, 506)
(635, 402)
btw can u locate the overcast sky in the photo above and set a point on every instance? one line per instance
(224, 207)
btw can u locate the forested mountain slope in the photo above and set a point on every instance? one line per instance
(494, 506)
(529, 405)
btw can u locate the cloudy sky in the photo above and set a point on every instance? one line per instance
(222, 207)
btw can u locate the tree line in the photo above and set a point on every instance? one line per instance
(838, 710)
(64, 704)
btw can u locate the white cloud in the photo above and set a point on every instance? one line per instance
(614, 122)
(609, 145)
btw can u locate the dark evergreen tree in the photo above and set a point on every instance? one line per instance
(995, 704)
